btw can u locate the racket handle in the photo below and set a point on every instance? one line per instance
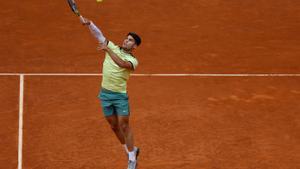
(81, 19)
(84, 21)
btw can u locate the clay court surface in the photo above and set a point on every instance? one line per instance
(188, 122)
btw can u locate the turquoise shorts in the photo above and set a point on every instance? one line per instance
(114, 103)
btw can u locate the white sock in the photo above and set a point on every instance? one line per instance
(132, 156)
(125, 147)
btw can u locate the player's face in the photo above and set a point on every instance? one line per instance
(129, 43)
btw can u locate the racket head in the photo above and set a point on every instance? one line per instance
(73, 7)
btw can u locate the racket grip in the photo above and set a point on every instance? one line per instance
(82, 20)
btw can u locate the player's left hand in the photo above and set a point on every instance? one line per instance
(102, 47)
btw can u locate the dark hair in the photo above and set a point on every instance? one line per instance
(136, 38)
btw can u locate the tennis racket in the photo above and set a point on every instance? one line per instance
(73, 7)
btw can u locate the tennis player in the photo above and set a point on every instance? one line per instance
(119, 62)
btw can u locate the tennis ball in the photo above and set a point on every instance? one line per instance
(99, 1)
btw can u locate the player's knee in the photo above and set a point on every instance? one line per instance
(124, 126)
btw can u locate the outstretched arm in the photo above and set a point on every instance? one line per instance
(96, 32)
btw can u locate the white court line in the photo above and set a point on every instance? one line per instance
(163, 75)
(21, 101)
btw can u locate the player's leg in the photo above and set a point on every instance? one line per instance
(114, 124)
(133, 151)
(122, 110)
(109, 112)
(111, 118)
(123, 122)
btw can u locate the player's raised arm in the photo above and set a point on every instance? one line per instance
(96, 32)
